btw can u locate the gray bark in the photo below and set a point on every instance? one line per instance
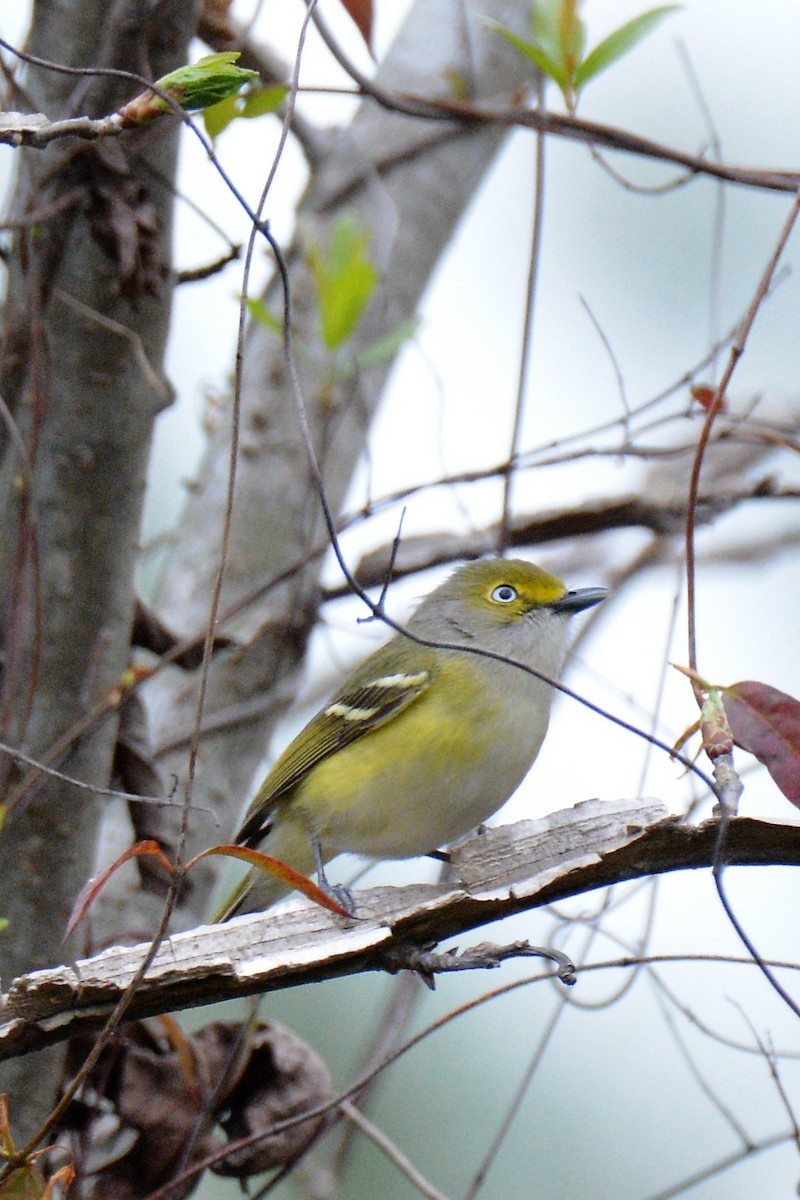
(505, 870)
(85, 410)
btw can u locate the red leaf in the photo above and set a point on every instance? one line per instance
(704, 396)
(766, 723)
(360, 12)
(281, 870)
(59, 1184)
(88, 893)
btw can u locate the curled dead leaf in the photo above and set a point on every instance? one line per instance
(158, 1099)
(282, 1079)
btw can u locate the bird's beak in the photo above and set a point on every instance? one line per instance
(581, 598)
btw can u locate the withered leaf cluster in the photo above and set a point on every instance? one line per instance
(159, 1102)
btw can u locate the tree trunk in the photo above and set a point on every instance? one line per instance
(84, 406)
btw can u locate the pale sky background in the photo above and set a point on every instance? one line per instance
(614, 1095)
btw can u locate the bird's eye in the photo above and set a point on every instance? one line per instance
(504, 593)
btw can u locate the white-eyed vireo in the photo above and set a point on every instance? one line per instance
(421, 744)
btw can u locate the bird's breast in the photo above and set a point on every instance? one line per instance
(443, 765)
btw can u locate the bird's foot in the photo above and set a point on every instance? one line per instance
(337, 892)
(341, 895)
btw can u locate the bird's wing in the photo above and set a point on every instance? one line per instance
(371, 698)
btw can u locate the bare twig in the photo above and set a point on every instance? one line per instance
(526, 339)
(737, 350)
(721, 1166)
(391, 1150)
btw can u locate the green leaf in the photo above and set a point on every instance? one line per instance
(26, 1183)
(217, 117)
(378, 352)
(3, 923)
(545, 28)
(259, 312)
(560, 32)
(457, 82)
(205, 82)
(620, 42)
(257, 102)
(345, 280)
(536, 54)
(386, 347)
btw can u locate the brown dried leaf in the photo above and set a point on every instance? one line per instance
(281, 1078)
(360, 12)
(704, 395)
(145, 1123)
(134, 767)
(766, 722)
(149, 631)
(155, 1095)
(58, 1185)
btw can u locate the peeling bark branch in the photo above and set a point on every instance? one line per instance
(503, 871)
(35, 130)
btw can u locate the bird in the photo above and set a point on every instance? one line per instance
(428, 736)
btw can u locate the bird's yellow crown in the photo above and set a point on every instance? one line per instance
(507, 586)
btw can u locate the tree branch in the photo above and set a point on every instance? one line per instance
(661, 515)
(507, 870)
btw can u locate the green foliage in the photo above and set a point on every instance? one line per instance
(206, 82)
(255, 102)
(345, 280)
(559, 42)
(259, 312)
(384, 348)
(26, 1183)
(618, 43)
(377, 352)
(561, 36)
